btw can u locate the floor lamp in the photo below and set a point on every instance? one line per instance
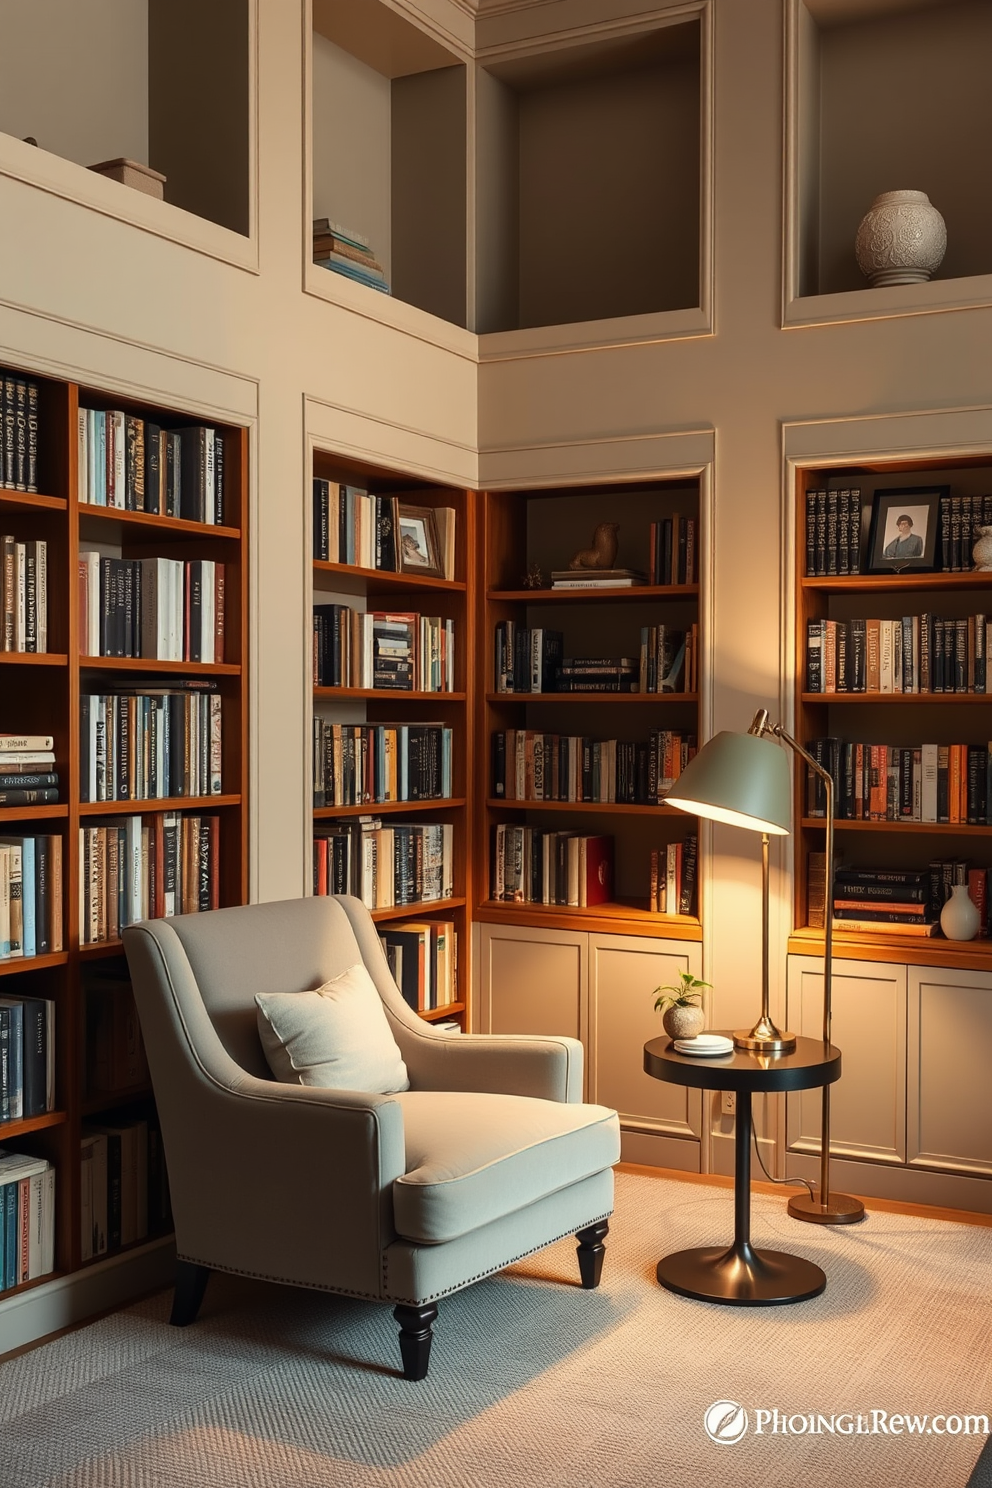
(739, 779)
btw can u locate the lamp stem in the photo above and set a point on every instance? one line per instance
(766, 899)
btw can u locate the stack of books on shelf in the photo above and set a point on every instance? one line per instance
(19, 432)
(916, 654)
(423, 960)
(115, 1051)
(130, 464)
(27, 1217)
(526, 658)
(906, 901)
(672, 548)
(669, 659)
(27, 1057)
(673, 877)
(597, 578)
(163, 609)
(138, 868)
(344, 251)
(151, 742)
(393, 652)
(30, 896)
(531, 866)
(384, 866)
(356, 764)
(25, 595)
(948, 783)
(352, 526)
(27, 770)
(833, 531)
(532, 766)
(598, 674)
(124, 1193)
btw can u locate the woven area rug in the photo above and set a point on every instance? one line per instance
(534, 1382)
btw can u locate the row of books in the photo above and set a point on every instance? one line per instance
(352, 526)
(949, 783)
(672, 551)
(917, 653)
(164, 609)
(27, 1217)
(356, 764)
(833, 531)
(19, 432)
(674, 870)
(25, 595)
(883, 899)
(394, 651)
(348, 253)
(384, 866)
(138, 868)
(31, 922)
(532, 766)
(533, 866)
(669, 659)
(150, 743)
(115, 1051)
(27, 1057)
(423, 959)
(132, 464)
(27, 770)
(526, 658)
(124, 1193)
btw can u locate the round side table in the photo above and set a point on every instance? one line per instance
(743, 1276)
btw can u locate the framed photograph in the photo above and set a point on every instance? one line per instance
(905, 529)
(419, 548)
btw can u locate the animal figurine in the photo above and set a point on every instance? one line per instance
(603, 552)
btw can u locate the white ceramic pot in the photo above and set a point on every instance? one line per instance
(959, 918)
(902, 239)
(981, 553)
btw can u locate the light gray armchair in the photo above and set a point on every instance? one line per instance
(402, 1198)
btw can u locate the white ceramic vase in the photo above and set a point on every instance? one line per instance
(981, 553)
(959, 918)
(902, 239)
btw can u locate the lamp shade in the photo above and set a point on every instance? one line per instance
(741, 779)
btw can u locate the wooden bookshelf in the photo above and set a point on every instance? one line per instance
(40, 693)
(369, 589)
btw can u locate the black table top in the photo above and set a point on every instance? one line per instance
(810, 1064)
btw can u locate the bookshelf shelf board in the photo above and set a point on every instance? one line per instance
(972, 955)
(435, 1015)
(596, 596)
(414, 911)
(17, 964)
(143, 521)
(34, 658)
(93, 950)
(152, 1238)
(10, 1129)
(891, 583)
(109, 1100)
(592, 697)
(379, 694)
(631, 917)
(148, 664)
(829, 698)
(142, 805)
(383, 808)
(601, 808)
(938, 829)
(350, 579)
(26, 1286)
(30, 501)
(31, 813)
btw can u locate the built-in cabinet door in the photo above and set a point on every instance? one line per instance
(623, 973)
(533, 980)
(950, 1059)
(868, 1103)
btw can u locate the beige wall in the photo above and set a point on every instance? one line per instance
(351, 145)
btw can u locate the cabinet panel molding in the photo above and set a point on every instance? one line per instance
(533, 981)
(949, 1115)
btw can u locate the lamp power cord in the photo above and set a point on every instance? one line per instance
(794, 1182)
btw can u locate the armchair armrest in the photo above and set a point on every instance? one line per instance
(492, 1063)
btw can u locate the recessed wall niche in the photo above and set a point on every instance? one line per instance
(892, 94)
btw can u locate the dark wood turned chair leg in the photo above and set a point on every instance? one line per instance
(191, 1283)
(591, 1252)
(416, 1332)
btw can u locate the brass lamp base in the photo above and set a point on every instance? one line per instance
(839, 1209)
(764, 1038)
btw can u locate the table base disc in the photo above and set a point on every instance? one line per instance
(741, 1276)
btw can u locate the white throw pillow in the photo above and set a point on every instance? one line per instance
(337, 1037)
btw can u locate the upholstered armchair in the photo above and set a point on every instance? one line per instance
(401, 1197)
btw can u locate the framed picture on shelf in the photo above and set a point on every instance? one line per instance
(419, 547)
(905, 529)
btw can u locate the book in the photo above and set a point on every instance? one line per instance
(597, 578)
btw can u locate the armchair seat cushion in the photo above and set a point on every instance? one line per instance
(471, 1159)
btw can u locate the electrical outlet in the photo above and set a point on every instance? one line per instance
(728, 1103)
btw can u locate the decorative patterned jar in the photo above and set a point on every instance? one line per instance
(686, 1020)
(902, 239)
(959, 918)
(981, 553)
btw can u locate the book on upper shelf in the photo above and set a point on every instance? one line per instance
(147, 742)
(597, 578)
(162, 609)
(936, 783)
(133, 464)
(533, 866)
(348, 253)
(364, 764)
(922, 653)
(528, 765)
(137, 868)
(387, 865)
(395, 651)
(31, 882)
(356, 527)
(20, 432)
(24, 580)
(674, 870)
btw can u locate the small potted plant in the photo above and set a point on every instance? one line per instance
(680, 1004)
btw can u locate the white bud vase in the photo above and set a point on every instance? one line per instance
(902, 239)
(959, 918)
(981, 553)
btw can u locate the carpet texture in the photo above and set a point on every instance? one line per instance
(533, 1383)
